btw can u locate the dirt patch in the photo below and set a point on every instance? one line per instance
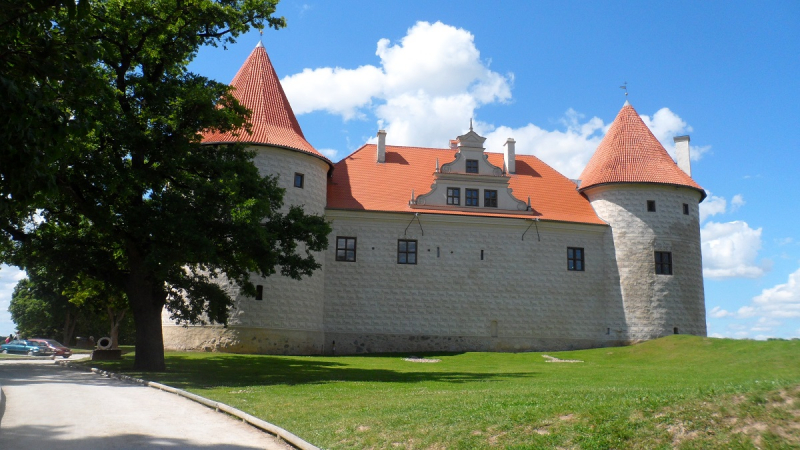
(553, 359)
(417, 359)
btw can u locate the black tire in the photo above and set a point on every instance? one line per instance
(65, 356)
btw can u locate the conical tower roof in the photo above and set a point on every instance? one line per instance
(273, 122)
(629, 153)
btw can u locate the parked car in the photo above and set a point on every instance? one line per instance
(55, 346)
(26, 347)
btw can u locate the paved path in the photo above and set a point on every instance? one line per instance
(51, 407)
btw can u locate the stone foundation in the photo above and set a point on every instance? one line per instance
(243, 340)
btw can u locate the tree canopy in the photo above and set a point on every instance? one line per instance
(135, 200)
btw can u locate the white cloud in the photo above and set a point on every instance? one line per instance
(329, 153)
(427, 87)
(737, 202)
(431, 82)
(719, 313)
(780, 301)
(711, 206)
(730, 250)
(335, 90)
(567, 150)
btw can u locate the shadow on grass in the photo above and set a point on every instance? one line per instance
(248, 370)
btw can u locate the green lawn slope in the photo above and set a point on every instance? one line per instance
(675, 392)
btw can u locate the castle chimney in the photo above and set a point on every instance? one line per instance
(381, 146)
(509, 157)
(682, 154)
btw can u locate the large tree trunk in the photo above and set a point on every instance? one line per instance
(69, 327)
(115, 319)
(147, 299)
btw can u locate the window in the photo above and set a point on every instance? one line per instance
(664, 263)
(675, 330)
(490, 198)
(471, 197)
(406, 251)
(453, 196)
(575, 259)
(686, 208)
(472, 166)
(651, 206)
(298, 180)
(259, 292)
(345, 249)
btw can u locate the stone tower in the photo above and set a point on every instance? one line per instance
(287, 315)
(652, 206)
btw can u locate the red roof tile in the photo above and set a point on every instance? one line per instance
(273, 122)
(629, 153)
(360, 183)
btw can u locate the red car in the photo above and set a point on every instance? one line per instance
(55, 346)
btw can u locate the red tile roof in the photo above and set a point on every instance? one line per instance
(273, 121)
(629, 153)
(358, 182)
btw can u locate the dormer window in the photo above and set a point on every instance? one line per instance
(471, 197)
(490, 198)
(472, 166)
(453, 196)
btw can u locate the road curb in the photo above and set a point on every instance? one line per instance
(2, 403)
(263, 425)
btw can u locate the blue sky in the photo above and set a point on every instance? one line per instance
(548, 74)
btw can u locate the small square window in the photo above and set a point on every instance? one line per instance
(490, 198)
(453, 196)
(663, 263)
(345, 249)
(686, 208)
(575, 259)
(471, 197)
(472, 166)
(299, 179)
(651, 206)
(259, 292)
(406, 251)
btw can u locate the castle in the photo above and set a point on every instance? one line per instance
(464, 249)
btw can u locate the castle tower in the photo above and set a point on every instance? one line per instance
(652, 207)
(287, 316)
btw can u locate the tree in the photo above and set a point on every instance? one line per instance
(34, 314)
(139, 203)
(35, 58)
(100, 298)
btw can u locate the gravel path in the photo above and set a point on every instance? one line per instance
(51, 407)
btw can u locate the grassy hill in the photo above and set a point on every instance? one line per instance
(675, 392)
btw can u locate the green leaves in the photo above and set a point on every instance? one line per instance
(104, 145)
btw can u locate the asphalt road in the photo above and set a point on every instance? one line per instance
(51, 407)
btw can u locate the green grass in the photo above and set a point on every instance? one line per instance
(676, 392)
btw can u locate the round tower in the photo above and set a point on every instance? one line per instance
(286, 316)
(652, 206)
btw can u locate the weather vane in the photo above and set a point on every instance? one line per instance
(625, 86)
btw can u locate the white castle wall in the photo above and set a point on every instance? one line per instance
(290, 317)
(521, 291)
(655, 304)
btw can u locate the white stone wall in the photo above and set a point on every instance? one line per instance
(655, 304)
(289, 319)
(450, 301)
(284, 164)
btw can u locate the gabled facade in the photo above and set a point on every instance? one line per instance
(466, 248)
